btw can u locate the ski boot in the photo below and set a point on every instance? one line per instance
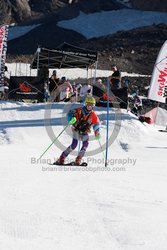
(60, 161)
(78, 160)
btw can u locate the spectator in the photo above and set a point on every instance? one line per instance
(126, 82)
(7, 75)
(78, 89)
(100, 85)
(46, 92)
(85, 90)
(137, 105)
(115, 78)
(65, 89)
(6, 88)
(1, 91)
(54, 82)
(74, 93)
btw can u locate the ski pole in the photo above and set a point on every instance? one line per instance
(53, 142)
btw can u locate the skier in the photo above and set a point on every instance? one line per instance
(81, 119)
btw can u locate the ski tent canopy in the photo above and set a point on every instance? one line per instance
(64, 56)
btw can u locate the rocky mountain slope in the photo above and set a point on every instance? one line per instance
(18, 11)
(21, 10)
(133, 51)
(153, 5)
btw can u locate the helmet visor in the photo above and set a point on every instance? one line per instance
(90, 104)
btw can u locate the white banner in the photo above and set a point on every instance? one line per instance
(161, 117)
(3, 49)
(158, 86)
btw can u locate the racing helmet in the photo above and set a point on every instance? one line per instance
(90, 99)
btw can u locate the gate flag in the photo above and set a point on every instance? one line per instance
(158, 86)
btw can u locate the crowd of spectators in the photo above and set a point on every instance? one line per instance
(62, 89)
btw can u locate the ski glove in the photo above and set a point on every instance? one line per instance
(97, 136)
(72, 121)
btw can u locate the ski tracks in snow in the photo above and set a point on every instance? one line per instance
(130, 132)
(20, 225)
(4, 137)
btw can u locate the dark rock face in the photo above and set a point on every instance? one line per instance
(5, 11)
(46, 6)
(153, 5)
(133, 51)
(14, 11)
(21, 10)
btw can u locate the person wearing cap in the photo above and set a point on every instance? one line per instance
(115, 78)
(81, 119)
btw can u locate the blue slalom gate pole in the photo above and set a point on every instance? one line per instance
(107, 126)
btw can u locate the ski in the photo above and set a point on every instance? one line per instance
(83, 164)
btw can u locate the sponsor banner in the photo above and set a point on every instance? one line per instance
(158, 86)
(3, 49)
(26, 87)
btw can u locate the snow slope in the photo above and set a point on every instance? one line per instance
(23, 69)
(108, 22)
(101, 23)
(17, 31)
(43, 208)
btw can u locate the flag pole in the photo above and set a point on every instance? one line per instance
(107, 125)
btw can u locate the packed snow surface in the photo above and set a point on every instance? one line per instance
(121, 207)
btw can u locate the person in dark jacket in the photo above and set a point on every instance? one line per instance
(115, 78)
(54, 82)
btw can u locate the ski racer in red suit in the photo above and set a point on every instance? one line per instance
(81, 119)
